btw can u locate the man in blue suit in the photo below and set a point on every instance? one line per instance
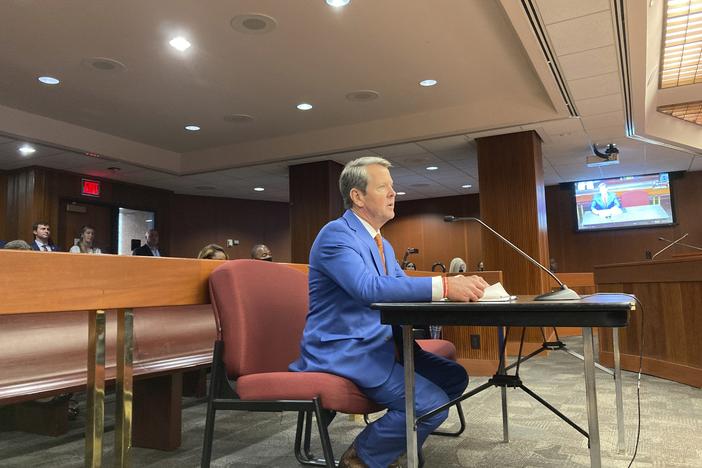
(351, 267)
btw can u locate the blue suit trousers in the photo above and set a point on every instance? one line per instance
(437, 381)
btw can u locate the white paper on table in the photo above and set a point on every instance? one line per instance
(496, 293)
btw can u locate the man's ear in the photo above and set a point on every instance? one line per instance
(356, 197)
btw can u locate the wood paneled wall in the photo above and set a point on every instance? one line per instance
(198, 221)
(186, 223)
(3, 205)
(581, 251)
(420, 224)
(314, 201)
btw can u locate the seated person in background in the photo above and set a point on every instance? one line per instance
(261, 252)
(2, 244)
(17, 245)
(42, 237)
(85, 244)
(605, 204)
(351, 267)
(150, 249)
(213, 252)
(457, 265)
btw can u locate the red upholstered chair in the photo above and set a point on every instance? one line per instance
(634, 198)
(261, 309)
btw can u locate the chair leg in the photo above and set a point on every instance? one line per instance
(320, 415)
(303, 436)
(460, 430)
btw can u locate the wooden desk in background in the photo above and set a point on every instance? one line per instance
(671, 293)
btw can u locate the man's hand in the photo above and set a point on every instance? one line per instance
(465, 288)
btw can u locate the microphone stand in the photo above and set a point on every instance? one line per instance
(501, 378)
(563, 294)
(672, 243)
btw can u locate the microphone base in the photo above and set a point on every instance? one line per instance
(564, 294)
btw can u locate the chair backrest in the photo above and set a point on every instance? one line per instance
(634, 198)
(261, 308)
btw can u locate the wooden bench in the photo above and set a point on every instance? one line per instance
(57, 283)
(44, 354)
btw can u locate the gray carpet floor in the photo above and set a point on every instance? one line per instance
(671, 429)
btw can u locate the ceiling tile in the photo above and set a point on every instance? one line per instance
(696, 164)
(589, 63)
(607, 134)
(583, 33)
(403, 150)
(604, 120)
(553, 11)
(599, 105)
(595, 86)
(453, 143)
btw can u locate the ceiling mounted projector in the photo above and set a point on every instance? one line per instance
(606, 158)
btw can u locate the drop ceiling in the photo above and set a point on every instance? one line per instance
(493, 77)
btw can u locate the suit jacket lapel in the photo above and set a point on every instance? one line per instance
(365, 237)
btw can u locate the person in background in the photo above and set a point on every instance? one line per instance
(150, 249)
(213, 252)
(2, 244)
(17, 245)
(261, 252)
(85, 244)
(42, 237)
(457, 265)
(351, 267)
(605, 204)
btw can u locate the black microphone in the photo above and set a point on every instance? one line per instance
(680, 243)
(563, 294)
(669, 245)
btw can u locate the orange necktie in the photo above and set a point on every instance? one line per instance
(379, 243)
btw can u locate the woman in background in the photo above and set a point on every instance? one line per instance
(213, 252)
(85, 244)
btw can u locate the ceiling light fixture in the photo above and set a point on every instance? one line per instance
(400, 193)
(304, 106)
(428, 83)
(180, 43)
(192, 128)
(50, 80)
(337, 3)
(26, 150)
(432, 168)
(466, 186)
(259, 189)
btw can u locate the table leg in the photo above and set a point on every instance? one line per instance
(95, 413)
(591, 399)
(618, 390)
(123, 388)
(505, 417)
(411, 433)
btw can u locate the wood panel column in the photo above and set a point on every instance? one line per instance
(314, 201)
(512, 201)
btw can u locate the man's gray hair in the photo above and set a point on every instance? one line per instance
(355, 176)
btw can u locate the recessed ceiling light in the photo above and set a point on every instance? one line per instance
(432, 168)
(466, 186)
(427, 83)
(50, 80)
(114, 169)
(259, 189)
(337, 3)
(205, 188)
(103, 64)
(400, 193)
(192, 128)
(304, 106)
(180, 43)
(26, 150)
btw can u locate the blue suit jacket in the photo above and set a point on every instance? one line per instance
(343, 335)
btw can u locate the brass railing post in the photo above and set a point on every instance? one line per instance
(95, 417)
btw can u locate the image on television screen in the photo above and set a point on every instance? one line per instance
(631, 201)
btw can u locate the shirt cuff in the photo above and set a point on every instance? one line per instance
(437, 288)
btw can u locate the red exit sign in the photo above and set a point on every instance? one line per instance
(90, 188)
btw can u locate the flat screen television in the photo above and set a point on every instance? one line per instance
(624, 202)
